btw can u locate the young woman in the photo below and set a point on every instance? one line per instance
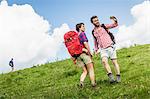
(84, 60)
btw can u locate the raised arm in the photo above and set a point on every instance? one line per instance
(114, 23)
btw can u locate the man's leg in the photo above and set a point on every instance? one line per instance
(116, 65)
(108, 69)
(106, 65)
(117, 69)
(90, 68)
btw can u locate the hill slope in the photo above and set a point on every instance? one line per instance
(60, 79)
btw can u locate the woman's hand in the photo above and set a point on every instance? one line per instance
(85, 50)
(74, 60)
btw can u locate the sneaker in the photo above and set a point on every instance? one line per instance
(118, 79)
(111, 78)
(81, 84)
(94, 85)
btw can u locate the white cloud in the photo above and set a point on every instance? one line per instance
(139, 31)
(24, 36)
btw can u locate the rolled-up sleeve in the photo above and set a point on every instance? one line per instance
(109, 26)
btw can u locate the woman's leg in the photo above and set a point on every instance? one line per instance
(83, 75)
(90, 68)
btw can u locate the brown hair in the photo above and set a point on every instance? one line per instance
(79, 26)
(93, 17)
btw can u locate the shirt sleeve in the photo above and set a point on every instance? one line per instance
(95, 45)
(83, 38)
(109, 26)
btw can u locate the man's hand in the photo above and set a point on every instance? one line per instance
(96, 52)
(114, 19)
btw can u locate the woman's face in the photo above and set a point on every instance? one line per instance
(82, 29)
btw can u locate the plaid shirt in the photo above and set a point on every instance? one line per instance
(83, 38)
(103, 39)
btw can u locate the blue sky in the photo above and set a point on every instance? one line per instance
(72, 12)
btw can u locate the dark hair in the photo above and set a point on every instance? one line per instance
(93, 17)
(79, 26)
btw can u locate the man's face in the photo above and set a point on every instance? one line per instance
(96, 22)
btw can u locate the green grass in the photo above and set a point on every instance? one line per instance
(59, 80)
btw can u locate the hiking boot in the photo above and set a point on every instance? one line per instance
(118, 79)
(111, 78)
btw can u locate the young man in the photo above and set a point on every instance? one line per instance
(84, 60)
(103, 41)
(11, 64)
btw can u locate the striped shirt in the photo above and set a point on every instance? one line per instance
(103, 39)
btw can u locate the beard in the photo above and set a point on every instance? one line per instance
(97, 24)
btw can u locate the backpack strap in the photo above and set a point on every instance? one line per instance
(110, 34)
(103, 25)
(93, 34)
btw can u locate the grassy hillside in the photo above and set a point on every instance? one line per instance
(59, 80)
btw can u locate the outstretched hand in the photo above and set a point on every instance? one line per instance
(113, 18)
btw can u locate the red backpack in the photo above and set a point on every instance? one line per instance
(72, 43)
